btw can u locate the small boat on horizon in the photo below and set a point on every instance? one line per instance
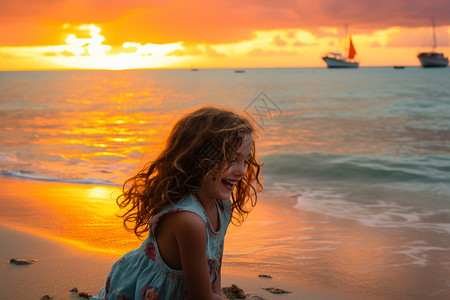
(337, 60)
(433, 59)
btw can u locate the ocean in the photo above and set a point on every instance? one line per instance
(356, 166)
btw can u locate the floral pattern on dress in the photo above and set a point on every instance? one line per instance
(149, 293)
(151, 251)
(121, 296)
(213, 265)
(172, 277)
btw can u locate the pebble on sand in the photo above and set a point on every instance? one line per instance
(81, 294)
(22, 261)
(233, 292)
(276, 290)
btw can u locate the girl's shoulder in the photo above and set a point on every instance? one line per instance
(186, 204)
(190, 204)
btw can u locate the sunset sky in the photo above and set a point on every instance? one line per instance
(118, 34)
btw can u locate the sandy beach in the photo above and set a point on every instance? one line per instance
(35, 224)
(60, 267)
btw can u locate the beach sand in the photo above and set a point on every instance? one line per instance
(46, 226)
(60, 267)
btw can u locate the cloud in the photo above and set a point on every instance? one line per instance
(278, 41)
(50, 54)
(205, 21)
(5, 55)
(67, 53)
(261, 52)
(299, 44)
(60, 53)
(186, 51)
(211, 52)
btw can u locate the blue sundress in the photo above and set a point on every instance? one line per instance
(142, 274)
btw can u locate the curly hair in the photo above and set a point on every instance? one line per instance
(201, 144)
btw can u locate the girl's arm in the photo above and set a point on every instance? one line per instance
(190, 233)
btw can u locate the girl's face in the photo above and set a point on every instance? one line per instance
(223, 185)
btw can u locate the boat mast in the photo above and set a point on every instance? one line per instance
(345, 39)
(434, 35)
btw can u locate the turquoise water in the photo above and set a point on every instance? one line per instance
(318, 127)
(373, 125)
(369, 146)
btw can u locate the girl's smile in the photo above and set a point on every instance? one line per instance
(223, 185)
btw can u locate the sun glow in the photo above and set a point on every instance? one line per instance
(86, 46)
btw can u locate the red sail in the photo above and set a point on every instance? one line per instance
(351, 50)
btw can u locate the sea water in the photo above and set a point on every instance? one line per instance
(369, 146)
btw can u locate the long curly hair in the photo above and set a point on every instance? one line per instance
(201, 144)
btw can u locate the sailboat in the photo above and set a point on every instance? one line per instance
(432, 58)
(337, 60)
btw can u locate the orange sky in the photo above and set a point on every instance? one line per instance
(117, 34)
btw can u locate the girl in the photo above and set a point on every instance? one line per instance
(182, 199)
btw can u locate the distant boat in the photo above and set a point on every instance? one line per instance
(399, 67)
(239, 71)
(433, 59)
(337, 60)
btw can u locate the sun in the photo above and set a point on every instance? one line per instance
(90, 52)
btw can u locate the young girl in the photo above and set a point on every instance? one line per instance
(182, 199)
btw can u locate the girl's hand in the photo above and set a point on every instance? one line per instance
(220, 297)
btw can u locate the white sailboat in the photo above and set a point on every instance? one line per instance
(433, 58)
(337, 60)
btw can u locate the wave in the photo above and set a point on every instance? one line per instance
(358, 167)
(427, 173)
(37, 176)
(381, 212)
(409, 171)
(385, 192)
